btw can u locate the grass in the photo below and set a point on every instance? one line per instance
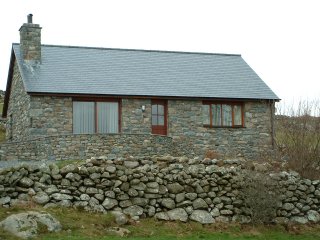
(83, 225)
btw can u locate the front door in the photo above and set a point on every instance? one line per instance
(159, 117)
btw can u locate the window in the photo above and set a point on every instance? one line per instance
(222, 114)
(157, 113)
(95, 117)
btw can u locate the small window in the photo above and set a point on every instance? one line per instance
(222, 114)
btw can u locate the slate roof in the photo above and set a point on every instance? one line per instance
(124, 72)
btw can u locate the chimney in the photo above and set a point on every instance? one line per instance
(30, 40)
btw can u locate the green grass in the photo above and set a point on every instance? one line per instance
(79, 225)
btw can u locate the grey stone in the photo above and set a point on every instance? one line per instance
(5, 200)
(180, 197)
(110, 169)
(24, 225)
(131, 164)
(133, 210)
(25, 182)
(299, 220)
(84, 197)
(153, 185)
(132, 192)
(178, 214)
(61, 196)
(109, 203)
(121, 218)
(202, 217)
(288, 206)
(168, 203)
(92, 191)
(41, 198)
(68, 168)
(215, 212)
(140, 201)
(199, 203)
(191, 196)
(51, 189)
(162, 216)
(175, 188)
(313, 216)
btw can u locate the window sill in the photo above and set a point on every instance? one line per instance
(207, 126)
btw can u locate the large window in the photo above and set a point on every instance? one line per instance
(95, 117)
(222, 114)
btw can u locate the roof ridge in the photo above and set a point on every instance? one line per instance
(139, 50)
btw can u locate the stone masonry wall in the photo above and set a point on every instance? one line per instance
(186, 127)
(18, 120)
(133, 119)
(50, 116)
(166, 188)
(82, 146)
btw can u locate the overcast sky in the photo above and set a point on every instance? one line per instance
(279, 39)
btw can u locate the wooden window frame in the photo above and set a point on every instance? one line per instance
(232, 104)
(95, 101)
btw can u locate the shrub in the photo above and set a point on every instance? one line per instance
(260, 194)
(298, 139)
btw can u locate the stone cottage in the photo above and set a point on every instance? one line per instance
(195, 101)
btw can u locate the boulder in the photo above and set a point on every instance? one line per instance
(25, 182)
(313, 216)
(41, 198)
(109, 203)
(300, 220)
(199, 203)
(25, 225)
(175, 188)
(202, 217)
(168, 203)
(178, 214)
(162, 216)
(68, 168)
(133, 211)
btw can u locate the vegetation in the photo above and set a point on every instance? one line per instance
(83, 225)
(260, 194)
(298, 139)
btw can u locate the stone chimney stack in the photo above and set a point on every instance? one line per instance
(30, 40)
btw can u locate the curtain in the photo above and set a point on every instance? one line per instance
(83, 117)
(216, 114)
(227, 115)
(108, 117)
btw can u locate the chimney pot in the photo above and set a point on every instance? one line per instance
(30, 18)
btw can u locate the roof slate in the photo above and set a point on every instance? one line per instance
(124, 72)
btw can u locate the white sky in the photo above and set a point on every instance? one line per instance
(279, 39)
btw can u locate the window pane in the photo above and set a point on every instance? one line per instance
(216, 114)
(154, 109)
(206, 114)
(227, 115)
(83, 117)
(237, 115)
(107, 117)
(161, 120)
(154, 120)
(160, 110)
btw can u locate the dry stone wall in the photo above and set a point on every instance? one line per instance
(166, 188)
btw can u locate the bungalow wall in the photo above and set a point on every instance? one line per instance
(36, 116)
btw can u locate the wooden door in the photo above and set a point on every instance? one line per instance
(159, 117)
